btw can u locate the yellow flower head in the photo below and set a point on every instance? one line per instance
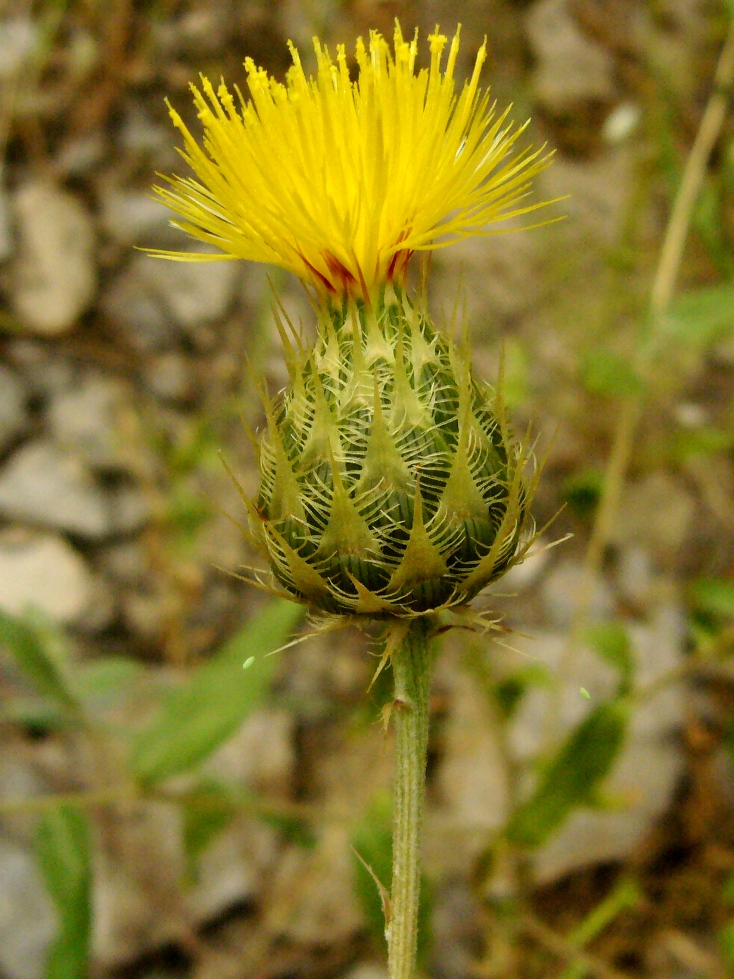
(341, 181)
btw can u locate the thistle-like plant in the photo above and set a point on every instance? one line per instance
(391, 487)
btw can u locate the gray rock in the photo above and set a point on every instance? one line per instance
(366, 970)
(43, 572)
(635, 576)
(194, 293)
(53, 277)
(472, 777)
(132, 305)
(656, 512)
(139, 134)
(169, 376)
(27, 915)
(79, 157)
(596, 193)
(18, 37)
(644, 777)
(560, 593)
(6, 230)
(13, 413)
(146, 611)
(232, 869)
(130, 509)
(499, 275)
(570, 67)
(137, 896)
(42, 484)
(133, 217)
(524, 575)
(93, 420)
(311, 892)
(46, 373)
(261, 758)
(126, 562)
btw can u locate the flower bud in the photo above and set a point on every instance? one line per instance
(390, 485)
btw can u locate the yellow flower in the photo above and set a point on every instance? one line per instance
(341, 181)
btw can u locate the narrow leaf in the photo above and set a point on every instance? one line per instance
(605, 372)
(714, 596)
(372, 846)
(37, 651)
(611, 641)
(701, 316)
(199, 716)
(573, 776)
(207, 811)
(63, 854)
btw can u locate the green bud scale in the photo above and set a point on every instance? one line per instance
(390, 485)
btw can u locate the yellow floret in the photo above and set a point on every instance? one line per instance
(341, 181)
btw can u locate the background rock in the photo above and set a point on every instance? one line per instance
(27, 916)
(571, 69)
(94, 419)
(45, 573)
(13, 412)
(44, 485)
(53, 278)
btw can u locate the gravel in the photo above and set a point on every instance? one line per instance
(44, 485)
(53, 278)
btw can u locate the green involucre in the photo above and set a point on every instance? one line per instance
(389, 483)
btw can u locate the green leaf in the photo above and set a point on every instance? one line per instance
(207, 810)
(611, 641)
(509, 691)
(583, 490)
(372, 840)
(727, 891)
(572, 778)
(726, 944)
(64, 857)
(605, 372)
(105, 680)
(701, 442)
(714, 596)
(517, 372)
(700, 317)
(37, 650)
(199, 716)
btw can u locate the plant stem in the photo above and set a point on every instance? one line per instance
(411, 663)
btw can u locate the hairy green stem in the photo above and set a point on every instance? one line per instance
(412, 671)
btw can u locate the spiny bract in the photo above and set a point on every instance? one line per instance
(389, 483)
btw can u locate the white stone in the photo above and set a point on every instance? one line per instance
(571, 68)
(6, 231)
(656, 511)
(643, 779)
(560, 593)
(132, 306)
(53, 277)
(471, 777)
(44, 572)
(42, 484)
(13, 413)
(311, 893)
(595, 191)
(366, 970)
(129, 216)
(27, 916)
(194, 293)
(232, 868)
(521, 576)
(90, 420)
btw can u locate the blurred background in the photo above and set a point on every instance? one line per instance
(165, 813)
